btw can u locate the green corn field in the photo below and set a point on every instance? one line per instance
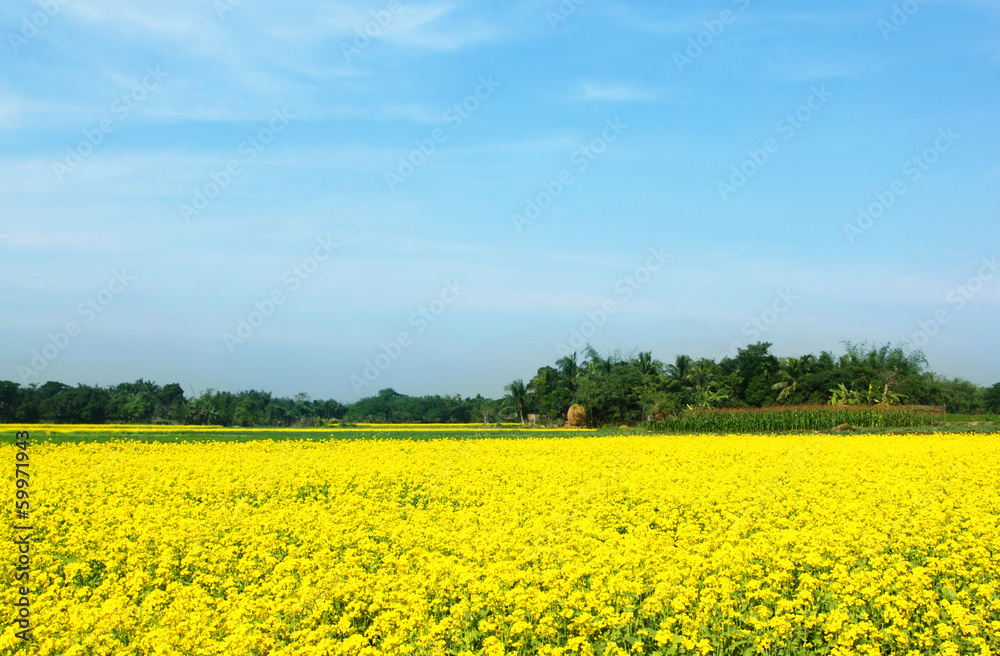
(794, 418)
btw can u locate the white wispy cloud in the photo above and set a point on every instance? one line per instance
(616, 93)
(227, 68)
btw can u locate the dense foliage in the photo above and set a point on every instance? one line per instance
(146, 402)
(619, 388)
(615, 389)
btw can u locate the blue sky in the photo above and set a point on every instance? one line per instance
(171, 173)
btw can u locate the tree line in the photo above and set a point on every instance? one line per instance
(617, 388)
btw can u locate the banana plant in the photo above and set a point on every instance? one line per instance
(705, 398)
(889, 398)
(842, 396)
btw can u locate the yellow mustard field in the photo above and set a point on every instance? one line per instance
(818, 544)
(115, 429)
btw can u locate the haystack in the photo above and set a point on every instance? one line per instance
(576, 415)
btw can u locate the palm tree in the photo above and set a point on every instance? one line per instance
(518, 395)
(569, 368)
(595, 364)
(680, 370)
(702, 373)
(701, 376)
(792, 371)
(646, 364)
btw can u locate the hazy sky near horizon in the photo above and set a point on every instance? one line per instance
(244, 195)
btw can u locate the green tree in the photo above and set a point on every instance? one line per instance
(647, 365)
(569, 368)
(610, 389)
(549, 393)
(791, 372)
(170, 402)
(213, 408)
(517, 394)
(703, 373)
(651, 390)
(874, 367)
(991, 399)
(680, 370)
(76, 405)
(485, 409)
(825, 374)
(705, 392)
(10, 400)
(595, 364)
(751, 373)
